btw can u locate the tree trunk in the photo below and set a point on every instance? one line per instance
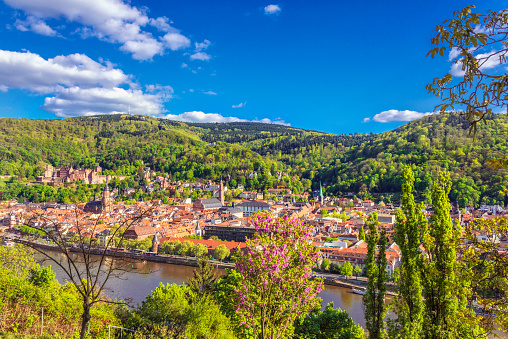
(85, 319)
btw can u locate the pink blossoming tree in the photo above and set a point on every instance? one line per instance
(276, 267)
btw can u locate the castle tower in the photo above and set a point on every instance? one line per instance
(155, 243)
(221, 193)
(106, 199)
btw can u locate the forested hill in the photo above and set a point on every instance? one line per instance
(364, 164)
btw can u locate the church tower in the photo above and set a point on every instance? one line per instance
(106, 199)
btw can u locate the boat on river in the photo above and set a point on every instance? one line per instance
(359, 291)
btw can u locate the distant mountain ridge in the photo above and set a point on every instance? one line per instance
(364, 164)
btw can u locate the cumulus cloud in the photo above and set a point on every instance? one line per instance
(176, 41)
(272, 9)
(198, 116)
(242, 104)
(79, 85)
(109, 20)
(25, 70)
(210, 93)
(396, 115)
(484, 61)
(75, 101)
(36, 25)
(200, 56)
(199, 46)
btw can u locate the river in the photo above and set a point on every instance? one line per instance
(145, 276)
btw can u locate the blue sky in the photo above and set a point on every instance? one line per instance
(333, 66)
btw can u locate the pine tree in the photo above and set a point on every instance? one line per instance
(408, 304)
(373, 300)
(204, 277)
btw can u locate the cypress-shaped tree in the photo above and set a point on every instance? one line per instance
(373, 299)
(361, 234)
(444, 293)
(408, 304)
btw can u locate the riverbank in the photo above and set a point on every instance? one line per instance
(159, 258)
(173, 260)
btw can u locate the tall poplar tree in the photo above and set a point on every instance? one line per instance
(373, 300)
(408, 304)
(444, 292)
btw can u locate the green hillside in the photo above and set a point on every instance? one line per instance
(364, 164)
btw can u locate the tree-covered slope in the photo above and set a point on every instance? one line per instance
(364, 164)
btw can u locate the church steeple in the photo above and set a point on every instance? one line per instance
(320, 193)
(106, 198)
(221, 192)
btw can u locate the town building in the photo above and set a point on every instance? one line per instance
(251, 207)
(230, 232)
(207, 204)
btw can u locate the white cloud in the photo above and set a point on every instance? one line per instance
(80, 85)
(109, 20)
(164, 92)
(36, 25)
(198, 116)
(75, 101)
(272, 9)
(191, 90)
(484, 60)
(210, 93)
(242, 104)
(176, 41)
(396, 115)
(161, 23)
(200, 56)
(32, 72)
(184, 65)
(202, 45)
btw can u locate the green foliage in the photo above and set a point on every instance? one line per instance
(42, 277)
(329, 324)
(17, 260)
(199, 250)
(408, 304)
(325, 264)
(21, 302)
(225, 295)
(374, 298)
(361, 234)
(347, 269)
(204, 278)
(221, 252)
(169, 247)
(473, 40)
(176, 305)
(193, 236)
(363, 164)
(444, 293)
(488, 278)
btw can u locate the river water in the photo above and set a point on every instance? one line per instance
(144, 277)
